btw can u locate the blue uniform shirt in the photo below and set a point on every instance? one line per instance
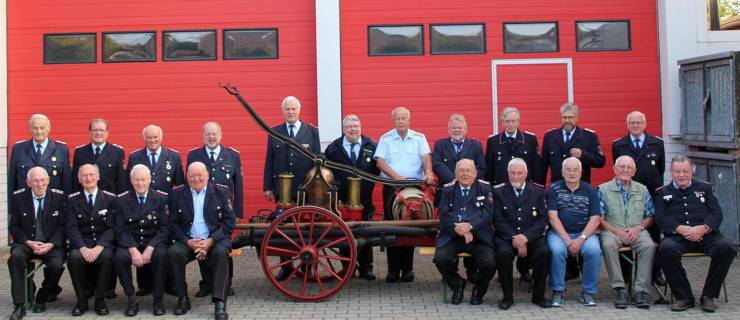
(574, 208)
(404, 156)
(347, 146)
(200, 228)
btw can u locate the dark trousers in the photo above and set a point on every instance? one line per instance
(122, 260)
(179, 255)
(538, 256)
(446, 260)
(399, 258)
(79, 270)
(19, 256)
(364, 253)
(717, 247)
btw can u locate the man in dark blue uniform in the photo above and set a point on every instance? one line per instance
(355, 149)
(649, 155)
(520, 219)
(39, 151)
(465, 211)
(224, 168)
(201, 222)
(690, 216)
(280, 158)
(37, 228)
(570, 140)
(142, 237)
(90, 229)
(164, 163)
(510, 143)
(107, 156)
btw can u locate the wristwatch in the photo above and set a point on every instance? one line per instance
(582, 236)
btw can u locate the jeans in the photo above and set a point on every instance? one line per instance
(590, 253)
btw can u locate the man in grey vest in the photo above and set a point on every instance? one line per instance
(628, 211)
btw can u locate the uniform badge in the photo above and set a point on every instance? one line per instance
(701, 199)
(668, 197)
(534, 212)
(652, 162)
(103, 212)
(368, 160)
(168, 179)
(220, 215)
(54, 172)
(480, 198)
(149, 217)
(56, 213)
(227, 176)
(168, 166)
(53, 158)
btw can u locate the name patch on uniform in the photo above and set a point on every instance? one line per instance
(306, 145)
(56, 213)
(668, 197)
(103, 212)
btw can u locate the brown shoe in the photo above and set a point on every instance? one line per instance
(707, 304)
(682, 305)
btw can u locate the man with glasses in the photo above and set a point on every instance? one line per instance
(107, 156)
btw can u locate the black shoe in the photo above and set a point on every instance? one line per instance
(542, 303)
(132, 309)
(682, 305)
(231, 292)
(143, 292)
(621, 302)
(111, 294)
(79, 309)
(472, 277)
(505, 304)
(18, 313)
(476, 300)
(203, 292)
(220, 311)
(283, 274)
(182, 307)
(39, 307)
(526, 277)
(639, 300)
(474, 292)
(101, 308)
(392, 277)
(158, 308)
(457, 292)
(367, 275)
(707, 304)
(407, 276)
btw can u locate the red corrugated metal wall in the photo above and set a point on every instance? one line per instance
(607, 84)
(178, 96)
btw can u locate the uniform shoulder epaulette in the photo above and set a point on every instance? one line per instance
(80, 146)
(492, 135)
(57, 191)
(387, 134)
(19, 141)
(193, 149)
(109, 193)
(173, 150)
(221, 185)
(590, 130)
(137, 150)
(484, 181)
(617, 139)
(449, 184)
(702, 181)
(162, 192)
(537, 184)
(60, 141)
(530, 132)
(552, 129)
(499, 185)
(19, 191)
(123, 193)
(179, 186)
(419, 134)
(232, 149)
(74, 194)
(117, 145)
(660, 188)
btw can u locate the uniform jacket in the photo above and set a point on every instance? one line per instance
(526, 214)
(444, 158)
(227, 171)
(55, 160)
(365, 161)
(166, 174)
(696, 205)
(499, 151)
(218, 214)
(145, 225)
(555, 151)
(23, 217)
(88, 227)
(113, 176)
(478, 211)
(650, 159)
(279, 159)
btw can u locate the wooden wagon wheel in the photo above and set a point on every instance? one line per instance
(309, 241)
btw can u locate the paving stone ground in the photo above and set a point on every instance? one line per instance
(257, 299)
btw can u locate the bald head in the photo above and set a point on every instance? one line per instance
(636, 123)
(212, 134)
(197, 176)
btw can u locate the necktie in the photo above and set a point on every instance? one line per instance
(40, 209)
(458, 146)
(97, 153)
(141, 200)
(291, 134)
(465, 194)
(153, 160)
(40, 221)
(213, 157)
(90, 200)
(637, 144)
(510, 139)
(518, 192)
(352, 155)
(38, 151)
(567, 136)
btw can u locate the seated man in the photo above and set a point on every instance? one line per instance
(520, 219)
(465, 210)
(573, 209)
(628, 211)
(689, 215)
(90, 230)
(201, 223)
(142, 236)
(37, 228)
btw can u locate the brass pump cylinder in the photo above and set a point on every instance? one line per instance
(353, 192)
(286, 184)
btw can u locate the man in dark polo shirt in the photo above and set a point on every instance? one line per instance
(573, 209)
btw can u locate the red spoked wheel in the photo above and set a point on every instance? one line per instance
(316, 248)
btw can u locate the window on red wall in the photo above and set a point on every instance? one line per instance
(70, 48)
(457, 38)
(395, 40)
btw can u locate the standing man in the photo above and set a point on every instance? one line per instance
(402, 154)
(225, 168)
(520, 218)
(201, 223)
(37, 228)
(39, 151)
(280, 158)
(509, 144)
(465, 210)
(356, 150)
(142, 237)
(108, 157)
(628, 211)
(649, 155)
(574, 214)
(690, 216)
(570, 140)
(90, 229)
(163, 163)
